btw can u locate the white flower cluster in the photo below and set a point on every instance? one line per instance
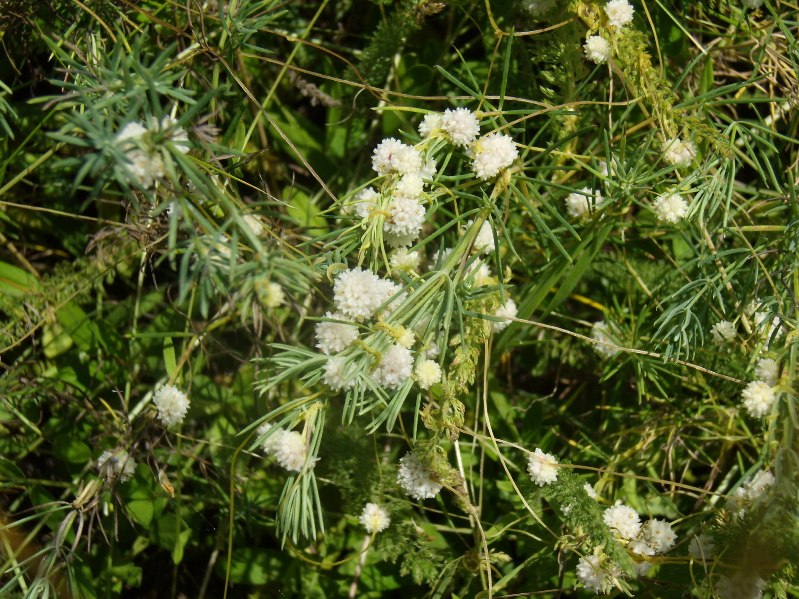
(395, 367)
(507, 312)
(768, 371)
(679, 152)
(359, 293)
(492, 153)
(597, 572)
(670, 207)
(460, 126)
(172, 404)
(288, 447)
(542, 467)
(374, 518)
(335, 337)
(391, 156)
(619, 12)
(428, 373)
(484, 242)
(654, 537)
(116, 465)
(597, 49)
(144, 161)
(723, 332)
(623, 520)
(415, 479)
(579, 204)
(750, 491)
(758, 397)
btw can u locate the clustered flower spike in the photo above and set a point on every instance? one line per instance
(144, 162)
(415, 479)
(116, 465)
(596, 572)
(428, 373)
(334, 337)
(506, 311)
(671, 207)
(460, 126)
(580, 203)
(374, 518)
(336, 376)
(768, 371)
(678, 152)
(393, 156)
(395, 367)
(288, 447)
(758, 397)
(619, 12)
(750, 491)
(491, 154)
(172, 404)
(359, 293)
(597, 49)
(542, 467)
(723, 331)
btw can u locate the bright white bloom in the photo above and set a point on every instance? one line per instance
(620, 12)
(762, 324)
(270, 294)
(134, 130)
(146, 168)
(268, 446)
(768, 371)
(432, 351)
(333, 337)
(750, 491)
(595, 575)
(743, 585)
(406, 337)
(658, 534)
(460, 125)
(116, 465)
(415, 479)
(507, 311)
(177, 135)
(374, 518)
(393, 156)
(623, 519)
(701, 547)
(365, 202)
(428, 170)
(601, 332)
(428, 373)
(722, 332)
(641, 547)
(409, 186)
(254, 224)
(359, 293)
(405, 217)
(539, 7)
(752, 4)
(679, 152)
(590, 491)
(172, 404)
(402, 259)
(493, 153)
(757, 398)
(484, 242)
(542, 467)
(579, 203)
(396, 366)
(289, 449)
(597, 49)
(430, 123)
(335, 375)
(670, 207)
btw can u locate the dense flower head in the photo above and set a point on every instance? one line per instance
(409, 186)
(589, 490)
(405, 217)
(393, 156)
(596, 573)
(460, 126)
(402, 259)
(542, 467)
(177, 135)
(336, 376)
(395, 367)
(484, 242)
(670, 207)
(506, 311)
(289, 449)
(359, 293)
(750, 491)
(116, 465)
(431, 122)
(768, 371)
(493, 153)
(172, 404)
(580, 203)
(597, 49)
(333, 337)
(415, 479)
(658, 534)
(365, 202)
(757, 397)
(428, 373)
(620, 12)
(374, 518)
(679, 152)
(723, 331)
(623, 519)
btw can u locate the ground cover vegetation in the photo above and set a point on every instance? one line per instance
(399, 298)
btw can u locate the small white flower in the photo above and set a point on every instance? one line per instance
(623, 519)
(290, 450)
(172, 404)
(758, 397)
(641, 547)
(405, 217)
(670, 207)
(596, 574)
(406, 337)
(374, 518)
(750, 491)
(333, 337)
(428, 170)
(428, 373)
(493, 153)
(460, 125)
(359, 293)
(679, 152)
(116, 465)
(402, 259)
(415, 479)
(542, 467)
(396, 366)
(409, 186)
(365, 202)
(723, 331)
(336, 376)
(254, 224)
(268, 445)
(602, 333)
(620, 12)
(768, 371)
(597, 49)
(177, 135)
(590, 491)
(393, 156)
(430, 123)
(134, 130)
(658, 534)
(506, 311)
(270, 294)
(484, 242)
(580, 203)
